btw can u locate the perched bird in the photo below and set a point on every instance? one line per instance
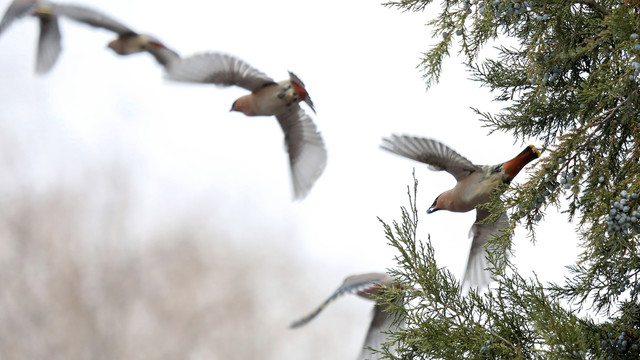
(474, 186)
(307, 153)
(367, 286)
(49, 48)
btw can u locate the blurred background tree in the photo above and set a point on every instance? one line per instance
(81, 279)
(567, 72)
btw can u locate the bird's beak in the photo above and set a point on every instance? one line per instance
(433, 207)
(115, 46)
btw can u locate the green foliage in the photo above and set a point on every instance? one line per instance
(568, 73)
(518, 319)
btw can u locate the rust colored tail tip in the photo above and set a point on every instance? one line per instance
(156, 44)
(530, 150)
(513, 166)
(536, 151)
(41, 9)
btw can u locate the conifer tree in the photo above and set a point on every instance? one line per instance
(568, 74)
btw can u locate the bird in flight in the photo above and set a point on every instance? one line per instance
(367, 286)
(49, 42)
(304, 144)
(474, 186)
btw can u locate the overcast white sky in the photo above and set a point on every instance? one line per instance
(189, 153)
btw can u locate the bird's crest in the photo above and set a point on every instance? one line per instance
(298, 87)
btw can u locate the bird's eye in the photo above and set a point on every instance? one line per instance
(497, 169)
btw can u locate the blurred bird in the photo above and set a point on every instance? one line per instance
(307, 153)
(128, 41)
(17, 9)
(49, 48)
(474, 186)
(49, 41)
(367, 286)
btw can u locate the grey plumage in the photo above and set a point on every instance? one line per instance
(475, 272)
(16, 10)
(435, 154)
(49, 42)
(304, 143)
(383, 320)
(219, 69)
(474, 186)
(49, 47)
(91, 17)
(306, 149)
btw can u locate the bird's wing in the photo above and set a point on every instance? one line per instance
(91, 17)
(382, 323)
(220, 69)
(368, 278)
(431, 152)
(352, 285)
(17, 9)
(163, 55)
(476, 273)
(48, 44)
(307, 152)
